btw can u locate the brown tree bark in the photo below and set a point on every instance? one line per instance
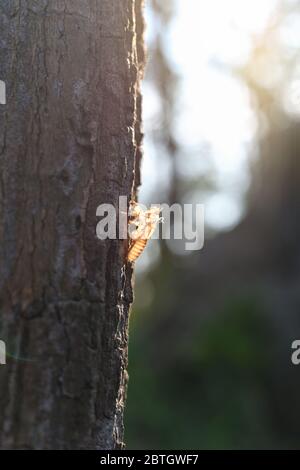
(69, 140)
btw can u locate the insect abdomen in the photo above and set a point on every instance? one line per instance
(137, 249)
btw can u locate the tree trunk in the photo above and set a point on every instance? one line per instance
(70, 140)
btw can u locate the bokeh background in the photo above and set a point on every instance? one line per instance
(211, 331)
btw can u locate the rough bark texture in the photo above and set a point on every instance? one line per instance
(69, 140)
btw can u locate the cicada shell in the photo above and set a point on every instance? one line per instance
(145, 223)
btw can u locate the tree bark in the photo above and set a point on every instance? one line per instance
(70, 140)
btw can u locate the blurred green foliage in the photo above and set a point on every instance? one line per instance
(212, 394)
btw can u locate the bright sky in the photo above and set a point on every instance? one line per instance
(204, 41)
(207, 36)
